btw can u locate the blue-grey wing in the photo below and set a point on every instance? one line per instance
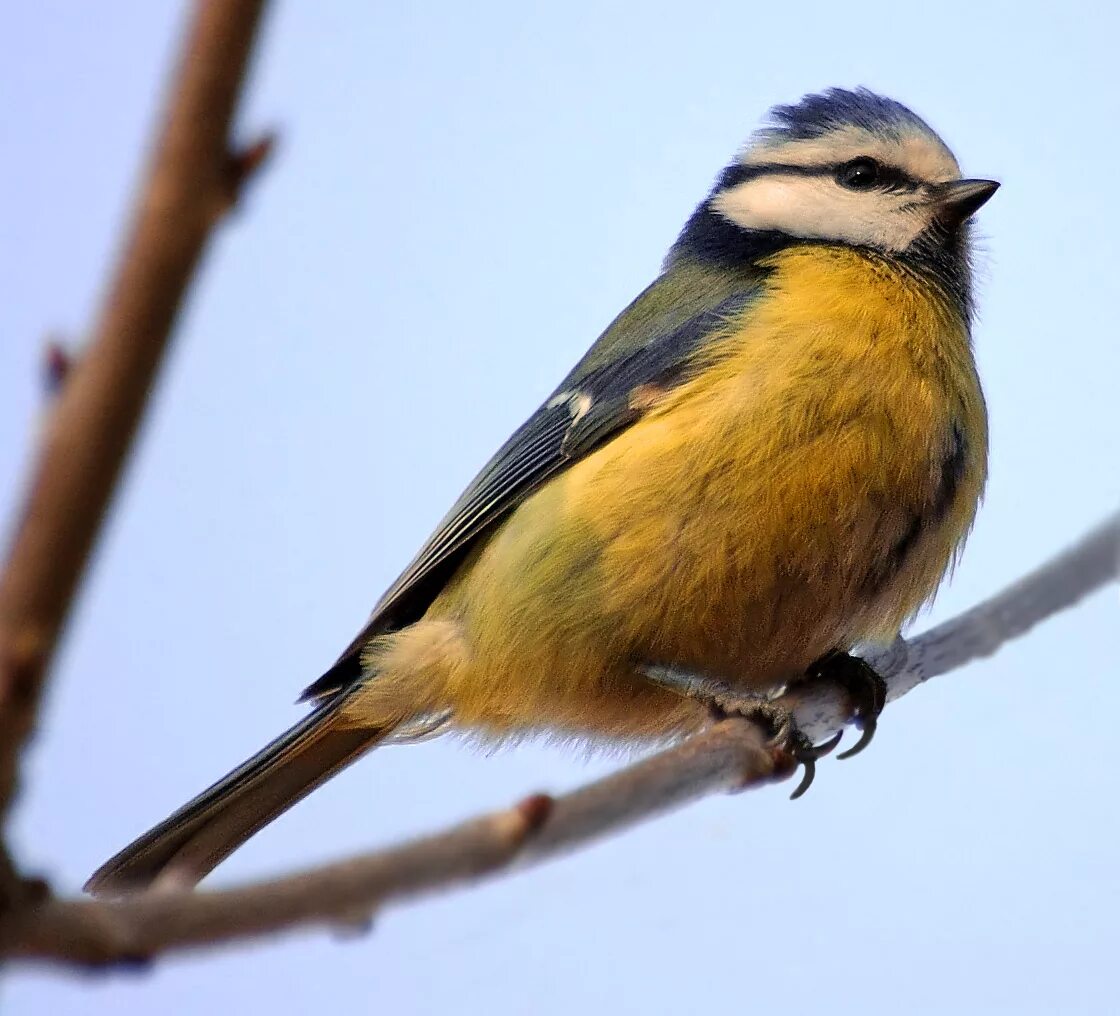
(594, 402)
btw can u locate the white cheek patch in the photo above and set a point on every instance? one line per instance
(817, 208)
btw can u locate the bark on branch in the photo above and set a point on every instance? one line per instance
(192, 180)
(731, 755)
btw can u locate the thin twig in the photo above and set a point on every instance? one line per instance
(732, 754)
(192, 181)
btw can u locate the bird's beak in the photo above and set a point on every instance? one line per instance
(957, 200)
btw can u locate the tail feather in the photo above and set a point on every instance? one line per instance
(197, 837)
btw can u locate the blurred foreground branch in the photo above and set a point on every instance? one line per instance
(731, 755)
(193, 179)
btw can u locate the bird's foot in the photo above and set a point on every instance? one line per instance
(723, 700)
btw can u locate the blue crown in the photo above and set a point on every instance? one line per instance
(816, 115)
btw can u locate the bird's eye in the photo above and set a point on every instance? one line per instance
(859, 174)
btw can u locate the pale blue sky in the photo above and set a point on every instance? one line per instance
(463, 197)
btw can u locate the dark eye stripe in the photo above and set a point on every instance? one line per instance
(890, 177)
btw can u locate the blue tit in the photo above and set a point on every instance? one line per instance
(773, 453)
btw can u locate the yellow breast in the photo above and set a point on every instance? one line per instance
(807, 488)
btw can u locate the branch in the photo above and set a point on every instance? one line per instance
(192, 181)
(731, 755)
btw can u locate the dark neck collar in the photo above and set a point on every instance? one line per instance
(710, 239)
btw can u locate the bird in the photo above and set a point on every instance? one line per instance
(771, 456)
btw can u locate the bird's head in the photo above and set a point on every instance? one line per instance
(842, 167)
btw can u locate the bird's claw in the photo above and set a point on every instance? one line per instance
(807, 754)
(866, 689)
